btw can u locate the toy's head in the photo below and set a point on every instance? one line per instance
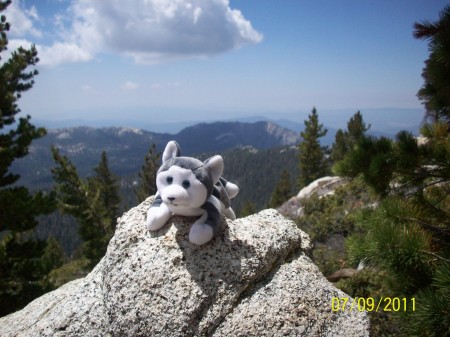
(185, 182)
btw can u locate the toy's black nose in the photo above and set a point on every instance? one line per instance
(171, 199)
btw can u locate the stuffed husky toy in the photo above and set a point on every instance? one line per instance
(189, 187)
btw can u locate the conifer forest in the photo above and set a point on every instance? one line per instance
(387, 227)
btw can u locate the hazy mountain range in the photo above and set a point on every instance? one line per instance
(384, 121)
(255, 153)
(126, 147)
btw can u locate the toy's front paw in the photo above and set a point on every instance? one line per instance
(200, 233)
(157, 218)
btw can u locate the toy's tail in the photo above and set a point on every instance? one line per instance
(229, 213)
(225, 191)
(231, 189)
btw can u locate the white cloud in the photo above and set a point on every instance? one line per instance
(130, 86)
(21, 20)
(61, 53)
(148, 31)
(13, 44)
(32, 13)
(157, 86)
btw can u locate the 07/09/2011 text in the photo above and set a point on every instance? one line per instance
(386, 304)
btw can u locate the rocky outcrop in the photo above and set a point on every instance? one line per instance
(321, 187)
(255, 279)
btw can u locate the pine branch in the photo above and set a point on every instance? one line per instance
(417, 181)
(426, 225)
(436, 256)
(341, 274)
(441, 199)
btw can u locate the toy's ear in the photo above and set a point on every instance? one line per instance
(215, 167)
(172, 150)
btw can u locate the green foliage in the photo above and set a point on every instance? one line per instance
(345, 141)
(104, 189)
(312, 160)
(14, 80)
(372, 158)
(435, 93)
(434, 317)
(23, 208)
(24, 267)
(70, 188)
(147, 175)
(404, 166)
(373, 283)
(329, 220)
(53, 256)
(94, 203)
(407, 236)
(340, 147)
(24, 261)
(356, 129)
(69, 271)
(329, 255)
(333, 224)
(394, 243)
(257, 172)
(248, 209)
(282, 191)
(333, 214)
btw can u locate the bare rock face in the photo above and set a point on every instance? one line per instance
(321, 187)
(255, 279)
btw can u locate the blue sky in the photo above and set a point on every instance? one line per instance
(178, 60)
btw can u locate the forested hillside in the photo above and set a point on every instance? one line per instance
(126, 147)
(256, 172)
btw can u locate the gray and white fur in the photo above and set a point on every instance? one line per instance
(189, 187)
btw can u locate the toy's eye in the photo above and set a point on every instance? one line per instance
(186, 184)
(169, 180)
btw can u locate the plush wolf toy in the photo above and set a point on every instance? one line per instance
(189, 187)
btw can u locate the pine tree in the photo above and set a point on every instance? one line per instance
(14, 80)
(313, 163)
(346, 141)
(408, 234)
(340, 146)
(147, 175)
(282, 191)
(356, 129)
(94, 203)
(23, 268)
(105, 185)
(104, 193)
(435, 92)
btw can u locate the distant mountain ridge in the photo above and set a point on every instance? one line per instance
(226, 135)
(126, 147)
(384, 121)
